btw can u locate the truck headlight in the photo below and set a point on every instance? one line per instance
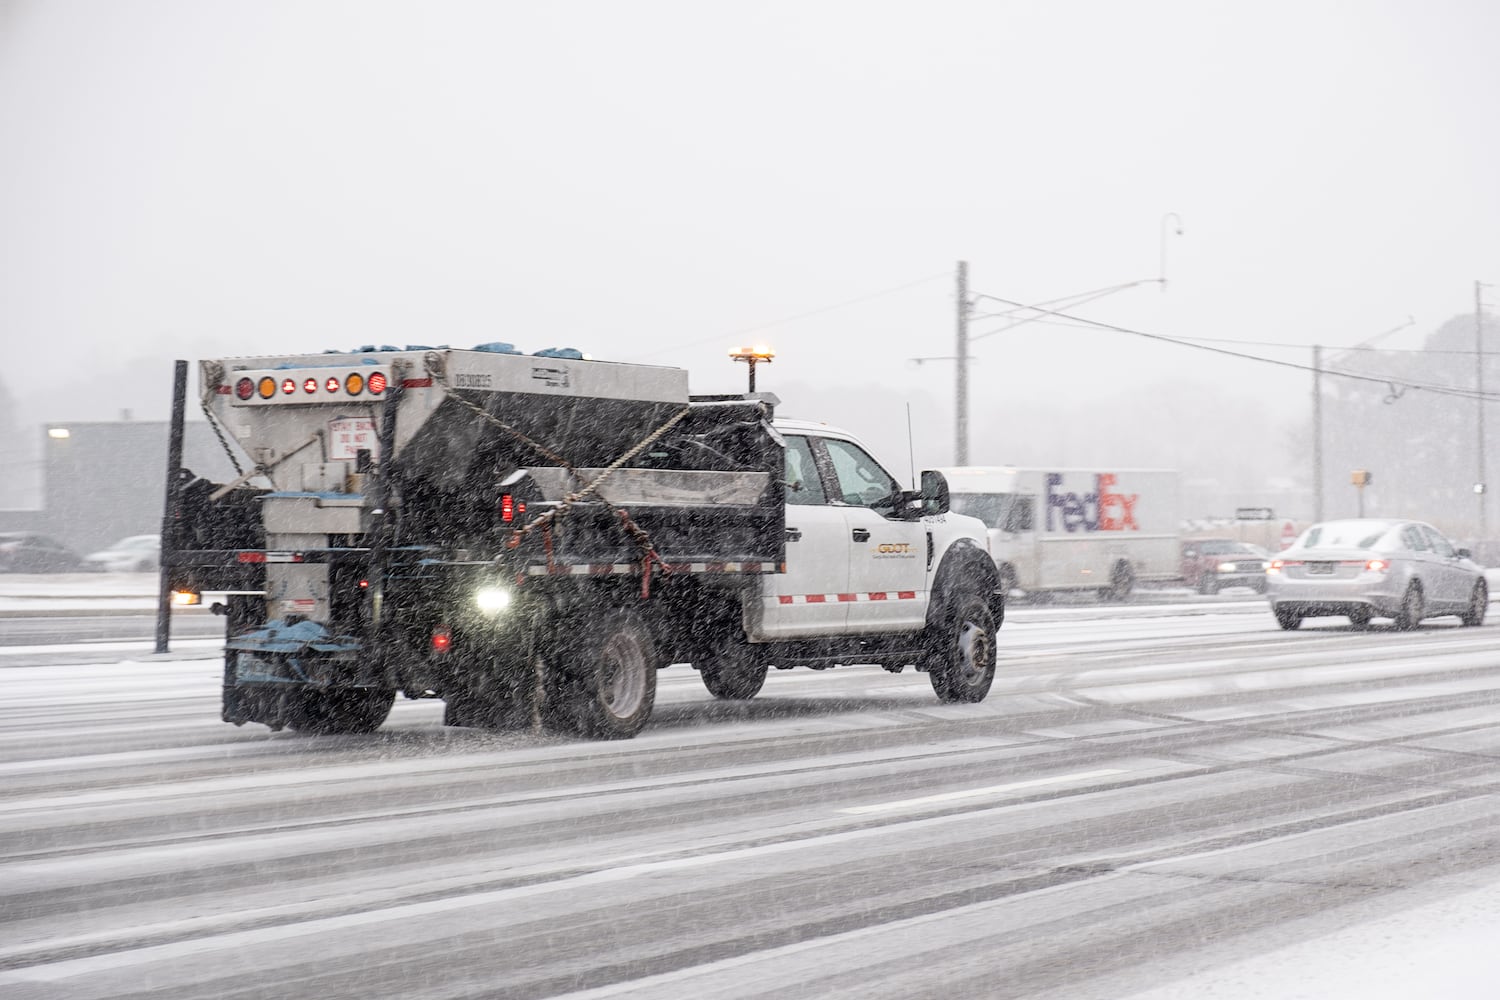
(492, 600)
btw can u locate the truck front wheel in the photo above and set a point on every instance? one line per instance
(603, 683)
(961, 664)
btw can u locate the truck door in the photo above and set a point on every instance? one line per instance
(804, 601)
(886, 555)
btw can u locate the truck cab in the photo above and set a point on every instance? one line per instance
(861, 552)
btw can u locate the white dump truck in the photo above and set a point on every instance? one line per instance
(529, 538)
(1074, 529)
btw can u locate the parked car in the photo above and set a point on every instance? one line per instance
(1375, 568)
(1213, 563)
(134, 554)
(30, 552)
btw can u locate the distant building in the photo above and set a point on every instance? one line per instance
(102, 481)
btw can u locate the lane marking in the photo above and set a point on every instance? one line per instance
(979, 793)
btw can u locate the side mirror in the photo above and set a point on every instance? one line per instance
(1464, 553)
(934, 493)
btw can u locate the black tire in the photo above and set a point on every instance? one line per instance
(1479, 603)
(1413, 608)
(342, 711)
(1360, 617)
(735, 675)
(1121, 582)
(961, 657)
(1208, 584)
(1288, 619)
(602, 683)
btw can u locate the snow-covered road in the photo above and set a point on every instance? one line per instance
(1175, 802)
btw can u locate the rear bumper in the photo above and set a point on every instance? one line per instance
(1334, 597)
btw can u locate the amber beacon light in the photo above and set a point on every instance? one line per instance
(752, 356)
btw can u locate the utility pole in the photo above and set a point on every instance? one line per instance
(1317, 402)
(961, 390)
(1480, 486)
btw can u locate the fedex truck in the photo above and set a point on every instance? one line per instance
(1074, 529)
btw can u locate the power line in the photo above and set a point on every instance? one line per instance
(1392, 382)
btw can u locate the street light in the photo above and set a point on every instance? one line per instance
(752, 356)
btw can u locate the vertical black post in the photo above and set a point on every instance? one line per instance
(169, 512)
(382, 523)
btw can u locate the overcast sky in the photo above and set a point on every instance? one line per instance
(656, 181)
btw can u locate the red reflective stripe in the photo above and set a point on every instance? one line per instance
(416, 383)
(252, 557)
(848, 597)
(878, 597)
(814, 598)
(785, 599)
(906, 595)
(222, 390)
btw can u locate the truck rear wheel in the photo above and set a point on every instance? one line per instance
(734, 675)
(325, 711)
(961, 664)
(1121, 583)
(603, 680)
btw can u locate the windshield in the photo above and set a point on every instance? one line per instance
(988, 507)
(1344, 535)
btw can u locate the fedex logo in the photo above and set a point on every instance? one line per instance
(1101, 510)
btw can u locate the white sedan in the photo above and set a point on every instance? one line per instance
(1375, 568)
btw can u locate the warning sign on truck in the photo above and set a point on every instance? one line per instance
(347, 436)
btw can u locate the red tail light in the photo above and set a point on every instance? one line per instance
(442, 639)
(288, 386)
(507, 508)
(244, 388)
(375, 383)
(1377, 565)
(332, 385)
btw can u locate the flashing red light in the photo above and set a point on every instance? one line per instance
(442, 639)
(364, 585)
(244, 388)
(375, 383)
(288, 386)
(332, 385)
(507, 508)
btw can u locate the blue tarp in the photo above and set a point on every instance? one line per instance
(279, 637)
